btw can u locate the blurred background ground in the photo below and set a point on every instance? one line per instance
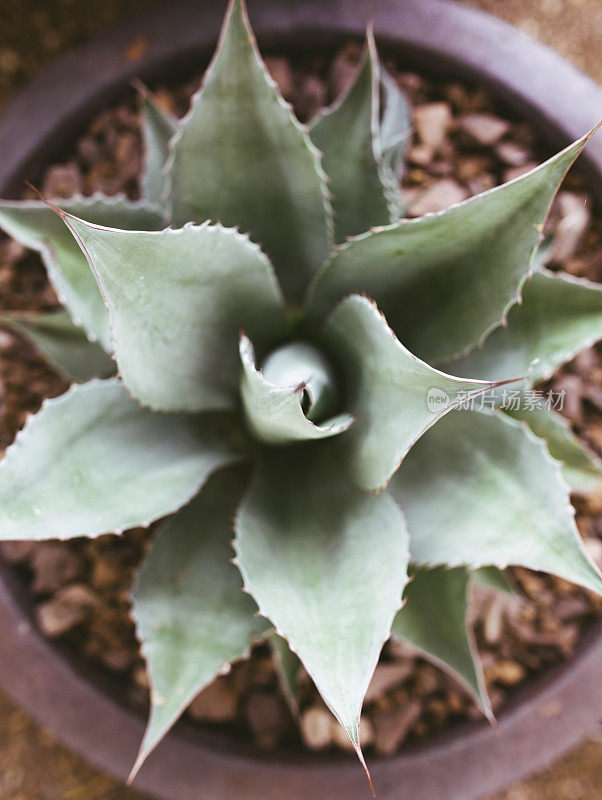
(33, 766)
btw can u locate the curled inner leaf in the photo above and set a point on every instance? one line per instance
(289, 399)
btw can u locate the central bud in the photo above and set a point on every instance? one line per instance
(299, 364)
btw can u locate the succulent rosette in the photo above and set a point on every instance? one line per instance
(286, 355)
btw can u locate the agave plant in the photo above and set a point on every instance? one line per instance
(279, 352)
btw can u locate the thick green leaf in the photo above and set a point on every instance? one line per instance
(241, 158)
(92, 461)
(327, 564)
(62, 342)
(395, 396)
(492, 578)
(481, 489)
(177, 300)
(274, 412)
(300, 364)
(38, 227)
(434, 620)
(348, 135)
(446, 280)
(581, 467)
(288, 667)
(157, 129)
(559, 315)
(192, 617)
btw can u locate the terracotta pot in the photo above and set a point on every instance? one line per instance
(93, 715)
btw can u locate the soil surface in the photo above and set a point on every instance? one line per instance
(583, 416)
(462, 144)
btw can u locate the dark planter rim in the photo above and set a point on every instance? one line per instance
(549, 715)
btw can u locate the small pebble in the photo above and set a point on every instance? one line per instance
(484, 129)
(482, 184)
(493, 623)
(66, 609)
(118, 660)
(573, 220)
(54, 564)
(267, 718)
(594, 549)
(439, 196)
(217, 703)
(106, 572)
(317, 729)
(392, 727)
(386, 677)
(512, 154)
(507, 672)
(421, 155)
(589, 265)
(426, 679)
(63, 180)
(432, 121)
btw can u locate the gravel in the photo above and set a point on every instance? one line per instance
(463, 144)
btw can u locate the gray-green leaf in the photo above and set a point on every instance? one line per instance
(62, 342)
(434, 620)
(348, 136)
(492, 578)
(288, 667)
(92, 462)
(581, 467)
(327, 564)
(157, 129)
(35, 225)
(481, 489)
(192, 617)
(395, 396)
(559, 315)
(241, 158)
(274, 412)
(446, 280)
(177, 300)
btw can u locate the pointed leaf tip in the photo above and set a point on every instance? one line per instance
(346, 134)
(581, 467)
(396, 396)
(501, 500)
(330, 589)
(175, 331)
(191, 616)
(434, 619)
(444, 281)
(251, 180)
(40, 226)
(558, 316)
(64, 344)
(120, 466)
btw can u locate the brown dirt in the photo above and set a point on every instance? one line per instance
(24, 745)
(462, 145)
